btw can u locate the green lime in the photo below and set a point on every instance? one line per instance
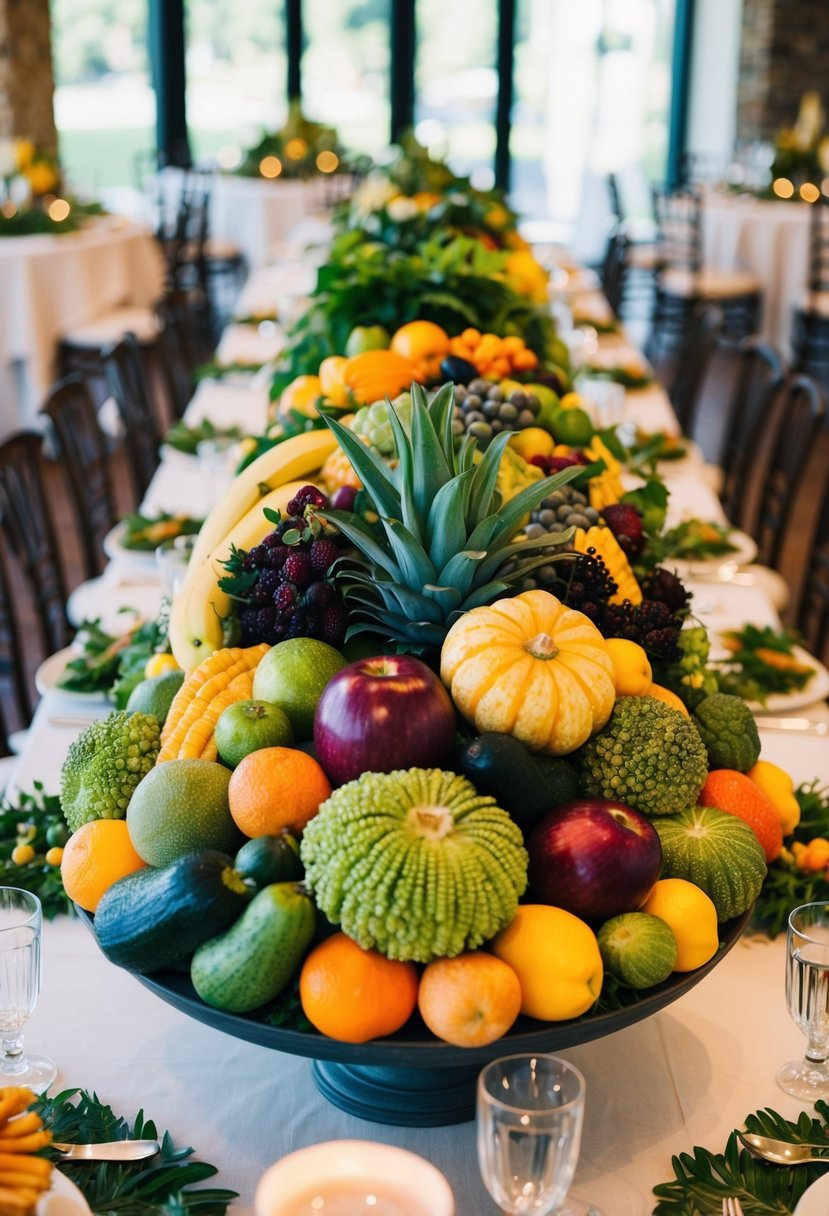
(247, 726)
(366, 337)
(572, 426)
(181, 807)
(637, 948)
(292, 675)
(155, 696)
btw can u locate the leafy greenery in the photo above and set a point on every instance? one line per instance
(34, 221)
(186, 438)
(702, 1179)
(159, 1186)
(220, 371)
(114, 663)
(34, 819)
(785, 886)
(631, 378)
(763, 662)
(149, 639)
(144, 533)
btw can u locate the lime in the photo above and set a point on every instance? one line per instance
(247, 726)
(637, 948)
(572, 426)
(292, 675)
(366, 337)
(155, 696)
(181, 807)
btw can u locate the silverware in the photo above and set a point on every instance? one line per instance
(792, 726)
(113, 1150)
(75, 723)
(780, 1152)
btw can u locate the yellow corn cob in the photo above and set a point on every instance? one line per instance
(199, 738)
(607, 487)
(609, 550)
(210, 678)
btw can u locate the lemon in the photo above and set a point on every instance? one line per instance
(631, 668)
(778, 787)
(181, 807)
(638, 949)
(692, 917)
(532, 441)
(159, 665)
(571, 401)
(556, 958)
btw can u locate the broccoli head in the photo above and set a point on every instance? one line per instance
(104, 765)
(728, 731)
(648, 755)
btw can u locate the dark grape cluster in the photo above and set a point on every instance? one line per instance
(283, 586)
(484, 409)
(665, 586)
(651, 624)
(564, 508)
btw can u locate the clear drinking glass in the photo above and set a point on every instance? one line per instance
(20, 969)
(807, 995)
(530, 1114)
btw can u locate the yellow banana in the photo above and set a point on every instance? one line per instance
(293, 458)
(199, 609)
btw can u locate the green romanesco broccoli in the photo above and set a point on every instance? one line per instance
(728, 731)
(648, 755)
(104, 765)
(372, 422)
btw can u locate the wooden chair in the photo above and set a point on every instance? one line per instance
(810, 333)
(126, 375)
(759, 378)
(82, 450)
(683, 281)
(29, 530)
(813, 612)
(16, 706)
(701, 338)
(182, 347)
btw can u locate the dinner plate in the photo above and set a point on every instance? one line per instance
(114, 602)
(743, 553)
(815, 1200)
(51, 670)
(62, 1199)
(117, 551)
(817, 689)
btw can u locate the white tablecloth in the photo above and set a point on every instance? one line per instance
(49, 284)
(770, 239)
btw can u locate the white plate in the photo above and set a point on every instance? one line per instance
(62, 1199)
(105, 597)
(744, 552)
(815, 1200)
(116, 551)
(51, 670)
(816, 689)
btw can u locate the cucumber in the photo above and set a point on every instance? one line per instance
(252, 962)
(524, 785)
(156, 917)
(268, 859)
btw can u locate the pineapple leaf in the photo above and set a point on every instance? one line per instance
(480, 597)
(482, 536)
(445, 529)
(461, 570)
(415, 607)
(448, 597)
(465, 456)
(412, 559)
(362, 536)
(485, 480)
(511, 513)
(371, 469)
(403, 477)
(430, 467)
(517, 548)
(440, 409)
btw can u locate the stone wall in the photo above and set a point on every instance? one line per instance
(26, 81)
(784, 52)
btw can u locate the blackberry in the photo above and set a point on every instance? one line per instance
(332, 623)
(323, 554)
(268, 581)
(257, 557)
(651, 624)
(284, 598)
(308, 496)
(298, 569)
(319, 595)
(275, 557)
(272, 540)
(259, 595)
(266, 619)
(665, 586)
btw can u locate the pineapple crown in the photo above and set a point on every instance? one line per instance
(443, 533)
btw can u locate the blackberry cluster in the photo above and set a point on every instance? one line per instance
(651, 624)
(484, 409)
(283, 587)
(665, 586)
(564, 508)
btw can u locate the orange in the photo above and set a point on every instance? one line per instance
(96, 856)
(424, 344)
(470, 1000)
(670, 698)
(354, 995)
(276, 788)
(735, 793)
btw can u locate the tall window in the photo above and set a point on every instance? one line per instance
(104, 103)
(345, 69)
(456, 83)
(236, 75)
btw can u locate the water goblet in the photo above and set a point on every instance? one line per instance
(807, 996)
(20, 972)
(529, 1123)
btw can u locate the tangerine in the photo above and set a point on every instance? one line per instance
(354, 995)
(736, 794)
(669, 698)
(275, 788)
(96, 856)
(470, 1000)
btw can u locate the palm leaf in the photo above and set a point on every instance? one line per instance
(517, 548)
(441, 409)
(449, 598)
(461, 570)
(403, 477)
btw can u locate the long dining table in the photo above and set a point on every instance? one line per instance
(684, 1076)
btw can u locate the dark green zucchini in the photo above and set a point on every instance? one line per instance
(526, 786)
(156, 917)
(267, 859)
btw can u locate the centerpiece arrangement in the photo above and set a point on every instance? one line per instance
(299, 150)
(33, 198)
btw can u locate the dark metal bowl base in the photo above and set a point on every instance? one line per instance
(402, 1097)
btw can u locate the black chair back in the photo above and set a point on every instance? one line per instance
(16, 705)
(813, 612)
(127, 378)
(678, 212)
(181, 346)
(700, 342)
(759, 377)
(819, 246)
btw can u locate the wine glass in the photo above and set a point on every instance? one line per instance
(530, 1114)
(20, 932)
(807, 995)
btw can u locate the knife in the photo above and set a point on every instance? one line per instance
(112, 1150)
(793, 726)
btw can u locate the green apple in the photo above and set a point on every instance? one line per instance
(367, 337)
(292, 675)
(247, 726)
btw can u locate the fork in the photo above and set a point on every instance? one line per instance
(731, 1207)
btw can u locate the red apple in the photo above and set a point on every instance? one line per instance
(380, 714)
(594, 858)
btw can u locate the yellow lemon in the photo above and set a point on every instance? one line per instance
(158, 665)
(571, 401)
(301, 397)
(532, 441)
(556, 958)
(631, 668)
(778, 787)
(670, 698)
(332, 379)
(691, 915)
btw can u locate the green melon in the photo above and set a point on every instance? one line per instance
(637, 949)
(415, 863)
(717, 852)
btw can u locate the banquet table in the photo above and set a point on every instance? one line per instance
(768, 238)
(49, 284)
(687, 1075)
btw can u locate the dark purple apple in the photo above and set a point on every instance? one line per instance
(380, 714)
(593, 857)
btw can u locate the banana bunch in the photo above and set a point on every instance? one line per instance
(23, 1176)
(607, 547)
(238, 521)
(607, 487)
